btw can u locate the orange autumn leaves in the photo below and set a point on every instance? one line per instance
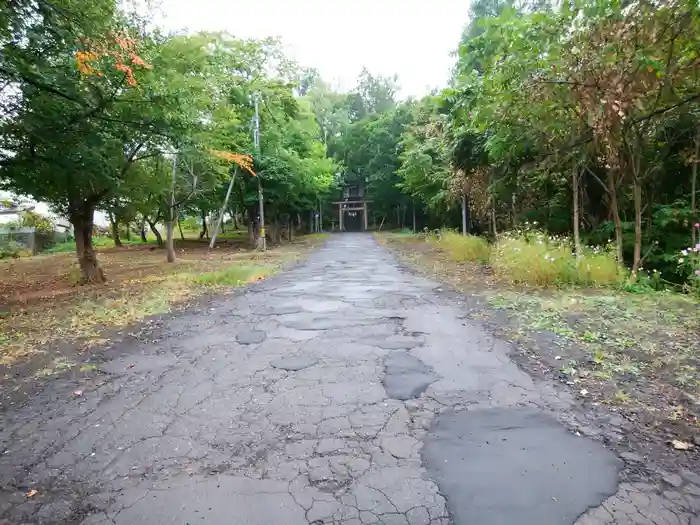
(242, 161)
(120, 48)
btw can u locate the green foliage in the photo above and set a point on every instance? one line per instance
(31, 219)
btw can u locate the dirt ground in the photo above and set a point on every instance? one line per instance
(630, 357)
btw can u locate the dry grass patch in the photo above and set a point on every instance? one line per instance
(40, 302)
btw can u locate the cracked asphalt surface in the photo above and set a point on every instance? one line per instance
(344, 391)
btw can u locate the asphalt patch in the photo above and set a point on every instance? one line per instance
(251, 337)
(516, 465)
(406, 376)
(294, 363)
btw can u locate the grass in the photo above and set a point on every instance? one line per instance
(42, 305)
(637, 351)
(536, 259)
(462, 248)
(234, 275)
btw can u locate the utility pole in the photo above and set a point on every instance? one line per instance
(256, 144)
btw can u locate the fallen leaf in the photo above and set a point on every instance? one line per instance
(131, 366)
(681, 445)
(77, 393)
(32, 492)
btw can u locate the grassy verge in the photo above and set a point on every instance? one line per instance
(636, 351)
(41, 303)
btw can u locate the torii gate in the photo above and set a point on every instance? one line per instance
(344, 206)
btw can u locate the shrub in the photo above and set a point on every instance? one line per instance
(535, 258)
(14, 250)
(463, 248)
(599, 268)
(689, 264)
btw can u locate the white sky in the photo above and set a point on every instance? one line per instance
(412, 38)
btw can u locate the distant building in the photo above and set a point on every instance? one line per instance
(353, 208)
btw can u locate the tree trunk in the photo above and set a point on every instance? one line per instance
(81, 217)
(493, 217)
(142, 231)
(693, 187)
(637, 192)
(222, 212)
(612, 190)
(577, 234)
(464, 214)
(128, 231)
(179, 227)
(170, 241)
(234, 219)
(413, 211)
(115, 230)
(159, 237)
(205, 232)
(172, 214)
(251, 228)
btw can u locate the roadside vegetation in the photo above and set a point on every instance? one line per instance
(628, 343)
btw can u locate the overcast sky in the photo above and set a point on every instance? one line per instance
(412, 38)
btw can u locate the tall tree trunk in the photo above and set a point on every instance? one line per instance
(172, 214)
(615, 210)
(114, 223)
(142, 231)
(693, 187)
(251, 227)
(154, 229)
(170, 241)
(413, 211)
(222, 212)
(637, 193)
(82, 217)
(179, 227)
(493, 216)
(128, 231)
(464, 214)
(234, 219)
(577, 234)
(205, 232)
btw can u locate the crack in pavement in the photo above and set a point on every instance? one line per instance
(316, 397)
